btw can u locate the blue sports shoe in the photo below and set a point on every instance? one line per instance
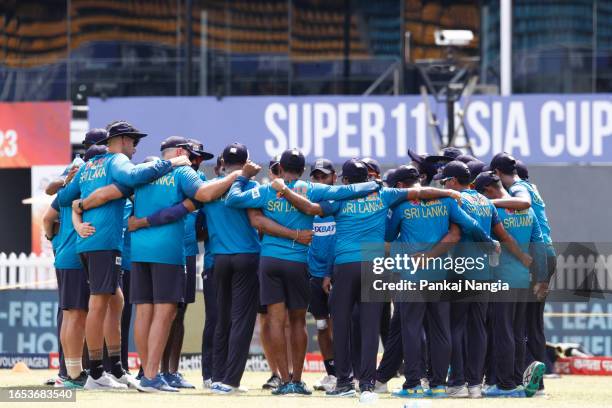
(414, 392)
(219, 388)
(496, 392)
(176, 380)
(155, 385)
(439, 391)
(532, 377)
(300, 388)
(284, 389)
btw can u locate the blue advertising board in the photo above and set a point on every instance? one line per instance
(535, 128)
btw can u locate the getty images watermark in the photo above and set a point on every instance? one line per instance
(475, 272)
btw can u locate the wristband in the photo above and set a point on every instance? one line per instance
(81, 205)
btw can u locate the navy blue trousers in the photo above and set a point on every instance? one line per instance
(345, 295)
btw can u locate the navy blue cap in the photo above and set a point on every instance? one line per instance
(503, 162)
(121, 128)
(437, 161)
(323, 165)
(94, 136)
(388, 177)
(451, 152)
(94, 151)
(521, 170)
(466, 158)
(235, 153)
(417, 158)
(197, 148)
(456, 169)
(292, 159)
(405, 173)
(485, 179)
(173, 142)
(355, 169)
(372, 164)
(476, 167)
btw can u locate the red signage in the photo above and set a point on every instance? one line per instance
(34, 133)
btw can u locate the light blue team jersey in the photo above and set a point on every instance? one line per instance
(100, 171)
(163, 243)
(484, 212)
(539, 209)
(191, 239)
(423, 223)
(66, 256)
(360, 224)
(229, 228)
(277, 208)
(126, 250)
(321, 251)
(523, 226)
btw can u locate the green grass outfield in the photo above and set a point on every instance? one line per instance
(569, 391)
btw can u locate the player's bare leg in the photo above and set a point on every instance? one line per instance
(163, 315)
(142, 327)
(277, 314)
(299, 341)
(72, 337)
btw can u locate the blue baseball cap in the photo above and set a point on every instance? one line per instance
(235, 153)
(485, 179)
(292, 159)
(354, 168)
(521, 170)
(372, 164)
(503, 162)
(455, 169)
(93, 136)
(121, 128)
(405, 173)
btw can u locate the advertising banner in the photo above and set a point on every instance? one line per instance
(535, 128)
(34, 133)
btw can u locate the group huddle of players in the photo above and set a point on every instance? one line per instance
(128, 235)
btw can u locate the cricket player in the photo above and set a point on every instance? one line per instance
(507, 325)
(158, 257)
(358, 221)
(422, 225)
(320, 265)
(504, 166)
(468, 319)
(100, 253)
(283, 275)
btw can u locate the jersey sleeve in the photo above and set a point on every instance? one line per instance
(392, 224)
(125, 190)
(189, 181)
(538, 249)
(55, 204)
(329, 207)
(467, 224)
(72, 191)
(168, 215)
(132, 175)
(318, 192)
(494, 216)
(517, 190)
(253, 198)
(393, 196)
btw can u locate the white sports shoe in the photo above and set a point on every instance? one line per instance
(425, 383)
(105, 382)
(381, 388)
(327, 383)
(475, 391)
(128, 380)
(207, 384)
(368, 397)
(460, 391)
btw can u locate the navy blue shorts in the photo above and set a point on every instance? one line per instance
(73, 289)
(157, 283)
(103, 271)
(190, 279)
(283, 281)
(319, 300)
